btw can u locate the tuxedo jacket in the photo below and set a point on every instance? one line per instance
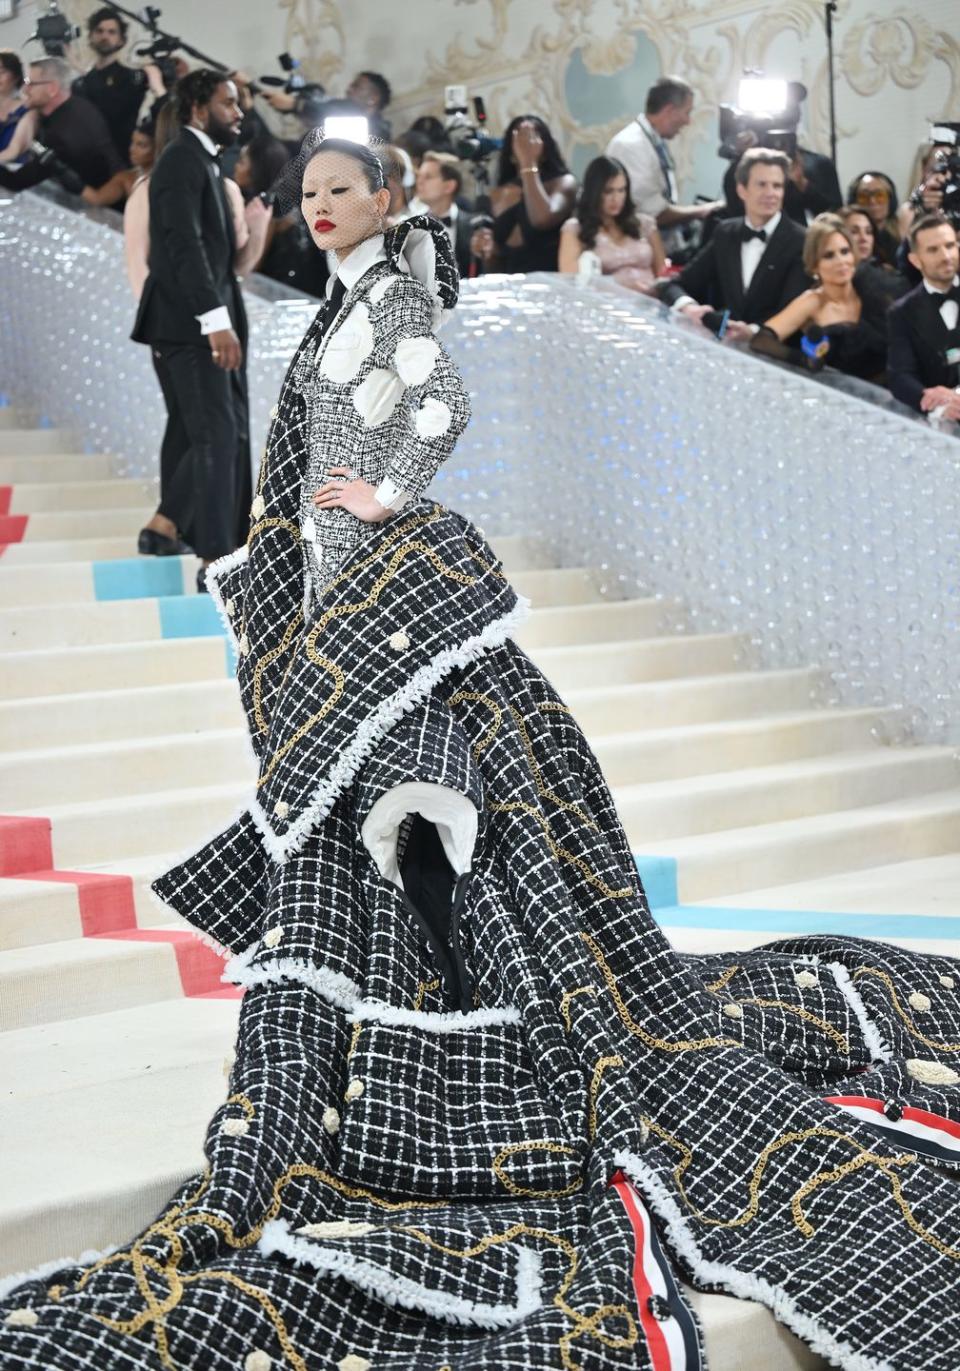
(919, 340)
(192, 248)
(715, 277)
(461, 247)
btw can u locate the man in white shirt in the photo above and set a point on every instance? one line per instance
(642, 149)
(924, 357)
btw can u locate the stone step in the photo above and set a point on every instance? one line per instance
(51, 585)
(600, 710)
(555, 586)
(762, 795)
(95, 771)
(41, 553)
(60, 721)
(40, 442)
(647, 659)
(137, 1087)
(654, 753)
(55, 468)
(711, 865)
(596, 622)
(65, 671)
(46, 496)
(57, 525)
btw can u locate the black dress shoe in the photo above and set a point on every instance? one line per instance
(202, 581)
(150, 543)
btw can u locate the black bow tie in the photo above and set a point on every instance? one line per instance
(447, 219)
(747, 233)
(940, 297)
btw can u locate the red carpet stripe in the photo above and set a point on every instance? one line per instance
(107, 904)
(6, 495)
(12, 528)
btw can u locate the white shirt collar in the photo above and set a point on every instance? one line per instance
(359, 262)
(769, 228)
(935, 290)
(205, 140)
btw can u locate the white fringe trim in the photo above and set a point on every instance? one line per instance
(370, 732)
(198, 933)
(393, 1289)
(339, 991)
(40, 1273)
(744, 1285)
(376, 1011)
(879, 1051)
(220, 568)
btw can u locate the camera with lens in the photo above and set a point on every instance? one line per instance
(945, 162)
(291, 82)
(54, 31)
(767, 114)
(469, 139)
(161, 53)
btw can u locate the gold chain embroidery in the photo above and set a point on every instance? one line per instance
(267, 660)
(263, 524)
(598, 1071)
(424, 988)
(663, 1044)
(805, 1014)
(246, 1104)
(354, 1039)
(540, 1145)
(723, 981)
(569, 995)
(907, 1018)
(496, 711)
(339, 684)
(561, 853)
(542, 790)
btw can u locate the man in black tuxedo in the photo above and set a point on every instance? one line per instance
(753, 265)
(192, 315)
(439, 186)
(924, 355)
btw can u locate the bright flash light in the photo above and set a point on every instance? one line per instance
(762, 95)
(353, 127)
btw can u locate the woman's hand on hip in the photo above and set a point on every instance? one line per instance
(357, 497)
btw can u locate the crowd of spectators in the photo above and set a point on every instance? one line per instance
(780, 261)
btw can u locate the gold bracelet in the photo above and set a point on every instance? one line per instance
(525, 171)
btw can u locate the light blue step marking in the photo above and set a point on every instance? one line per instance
(659, 877)
(137, 578)
(189, 616)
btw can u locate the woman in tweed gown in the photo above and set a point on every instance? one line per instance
(482, 1117)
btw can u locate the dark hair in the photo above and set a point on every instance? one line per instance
(107, 12)
(848, 212)
(10, 62)
(380, 84)
(166, 125)
(449, 169)
(430, 125)
(763, 157)
(880, 176)
(552, 164)
(667, 90)
(196, 88)
(598, 175)
(147, 127)
(368, 159)
(267, 157)
(416, 144)
(926, 222)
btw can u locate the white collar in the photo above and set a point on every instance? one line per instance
(648, 128)
(769, 228)
(359, 262)
(205, 140)
(935, 290)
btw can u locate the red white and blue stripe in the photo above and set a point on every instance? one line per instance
(931, 1134)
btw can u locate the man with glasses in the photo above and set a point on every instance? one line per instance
(76, 143)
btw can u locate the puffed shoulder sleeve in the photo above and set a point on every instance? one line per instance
(433, 403)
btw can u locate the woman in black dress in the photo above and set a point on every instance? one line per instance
(535, 193)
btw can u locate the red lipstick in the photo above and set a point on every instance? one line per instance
(324, 225)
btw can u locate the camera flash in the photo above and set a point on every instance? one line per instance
(353, 127)
(762, 95)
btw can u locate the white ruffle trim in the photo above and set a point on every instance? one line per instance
(214, 571)
(396, 1290)
(375, 727)
(743, 1284)
(879, 1051)
(40, 1273)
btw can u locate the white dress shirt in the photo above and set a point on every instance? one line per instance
(949, 310)
(752, 251)
(214, 320)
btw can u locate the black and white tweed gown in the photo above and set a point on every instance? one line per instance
(392, 1183)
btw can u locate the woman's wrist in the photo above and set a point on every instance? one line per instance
(529, 171)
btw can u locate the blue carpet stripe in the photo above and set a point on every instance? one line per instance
(659, 876)
(138, 578)
(189, 616)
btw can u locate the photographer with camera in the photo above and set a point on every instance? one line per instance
(116, 90)
(753, 265)
(368, 94)
(924, 325)
(73, 141)
(641, 149)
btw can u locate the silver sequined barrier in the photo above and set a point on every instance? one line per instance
(824, 527)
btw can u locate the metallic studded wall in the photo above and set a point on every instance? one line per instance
(825, 528)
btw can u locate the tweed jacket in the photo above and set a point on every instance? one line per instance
(376, 393)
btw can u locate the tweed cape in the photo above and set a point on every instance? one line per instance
(392, 1184)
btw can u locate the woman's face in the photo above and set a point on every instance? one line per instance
(141, 150)
(873, 195)
(337, 203)
(614, 196)
(860, 229)
(836, 265)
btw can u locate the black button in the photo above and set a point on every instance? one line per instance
(893, 1110)
(659, 1308)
